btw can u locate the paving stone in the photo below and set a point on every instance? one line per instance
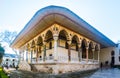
(107, 73)
(104, 73)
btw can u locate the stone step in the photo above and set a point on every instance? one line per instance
(23, 65)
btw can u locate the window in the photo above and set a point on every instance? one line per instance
(7, 59)
(50, 56)
(50, 45)
(13, 59)
(112, 53)
(119, 58)
(40, 56)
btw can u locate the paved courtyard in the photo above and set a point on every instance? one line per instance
(106, 73)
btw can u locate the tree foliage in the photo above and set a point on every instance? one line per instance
(7, 36)
(2, 50)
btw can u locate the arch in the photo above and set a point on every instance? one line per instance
(40, 41)
(90, 53)
(28, 46)
(96, 52)
(33, 44)
(83, 47)
(48, 36)
(63, 36)
(96, 47)
(75, 37)
(75, 41)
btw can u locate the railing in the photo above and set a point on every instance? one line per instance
(96, 62)
(74, 60)
(64, 59)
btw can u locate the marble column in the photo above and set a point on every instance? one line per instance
(55, 54)
(23, 55)
(44, 54)
(98, 55)
(31, 54)
(69, 51)
(87, 54)
(93, 51)
(27, 55)
(79, 52)
(37, 54)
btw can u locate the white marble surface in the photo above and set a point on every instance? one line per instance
(106, 73)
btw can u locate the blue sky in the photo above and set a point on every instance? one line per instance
(104, 15)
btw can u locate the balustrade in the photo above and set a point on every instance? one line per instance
(64, 59)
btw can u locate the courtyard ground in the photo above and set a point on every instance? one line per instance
(104, 73)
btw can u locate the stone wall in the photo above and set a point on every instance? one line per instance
(105, 54)
(57, 68)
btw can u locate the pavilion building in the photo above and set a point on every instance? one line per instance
(57, 39)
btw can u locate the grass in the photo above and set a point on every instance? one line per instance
(2, 74)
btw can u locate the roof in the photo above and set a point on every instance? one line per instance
(49, 15)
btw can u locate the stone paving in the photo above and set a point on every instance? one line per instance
(106, 73)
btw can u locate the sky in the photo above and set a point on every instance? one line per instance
(104, 15)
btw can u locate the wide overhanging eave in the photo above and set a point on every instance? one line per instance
(62, 16)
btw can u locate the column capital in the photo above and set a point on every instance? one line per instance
(79, 45)
(55, 37)
(69, 41)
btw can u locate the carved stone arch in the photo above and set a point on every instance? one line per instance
(63, 33)
(84, 41)
(28, 46)
(75, 41)
(48, 36)
(91, 44)
(90, 50)
(63, 36)
(96, 51)
(83, 47)
(40, 41)
(97, 48)
(76, 38)
(32, 44)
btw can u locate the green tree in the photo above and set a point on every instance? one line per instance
(2, 50)
(8, 37)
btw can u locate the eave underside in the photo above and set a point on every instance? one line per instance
(40, 22)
